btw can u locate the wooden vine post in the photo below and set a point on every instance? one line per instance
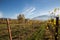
(56, 29)
(9, 29)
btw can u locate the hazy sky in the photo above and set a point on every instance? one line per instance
(30, 8)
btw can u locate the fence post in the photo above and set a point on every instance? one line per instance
(56, 29)
(9, 29)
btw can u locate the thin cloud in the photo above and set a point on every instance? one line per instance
(39, 13)
(26, 10)
(33, 9)
(29, 11)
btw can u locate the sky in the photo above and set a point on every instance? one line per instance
(30, 8)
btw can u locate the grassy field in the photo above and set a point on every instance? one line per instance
(24, 32)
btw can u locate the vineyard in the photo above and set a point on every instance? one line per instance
(35, 31)
(22, 31)
(25, 29)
